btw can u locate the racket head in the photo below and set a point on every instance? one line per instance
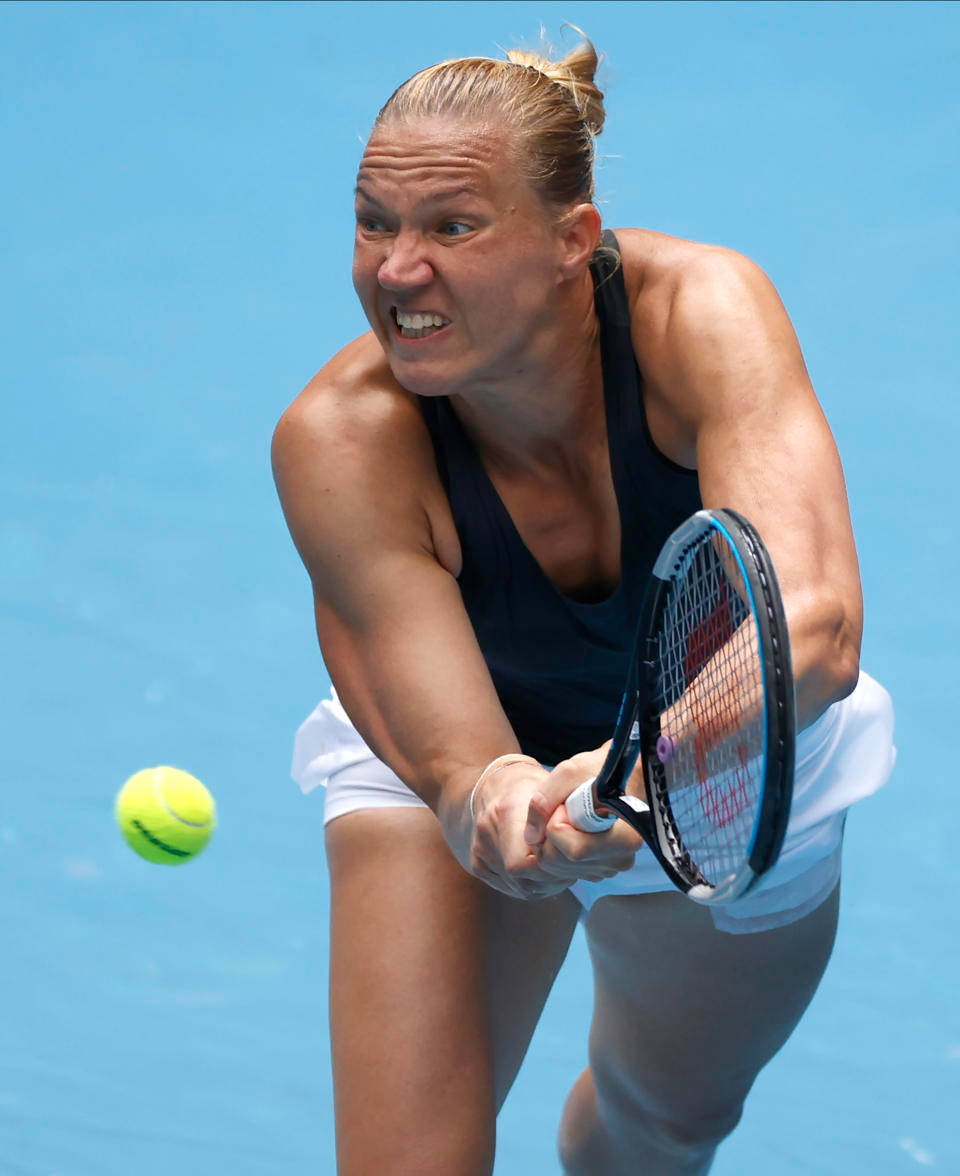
(712, 727)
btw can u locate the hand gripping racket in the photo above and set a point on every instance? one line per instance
(701, 762)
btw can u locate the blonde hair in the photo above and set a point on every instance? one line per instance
(554, 108)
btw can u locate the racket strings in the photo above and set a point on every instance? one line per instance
(713, 719)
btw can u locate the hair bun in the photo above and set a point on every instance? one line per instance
(550, 111)
(575, 73)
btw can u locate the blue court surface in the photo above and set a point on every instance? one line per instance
(176, 224)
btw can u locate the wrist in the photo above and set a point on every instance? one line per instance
(492, 768)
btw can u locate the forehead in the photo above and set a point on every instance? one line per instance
(437, 153)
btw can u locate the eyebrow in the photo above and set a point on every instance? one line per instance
(433, 198)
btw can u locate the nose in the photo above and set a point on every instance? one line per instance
(405, 266)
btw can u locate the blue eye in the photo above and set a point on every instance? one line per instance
(455, 229)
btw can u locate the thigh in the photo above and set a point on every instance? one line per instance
(686, 1016)
(436, 984)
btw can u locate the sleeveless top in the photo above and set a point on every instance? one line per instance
(558, 664)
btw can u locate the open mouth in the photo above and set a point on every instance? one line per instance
(418, 324)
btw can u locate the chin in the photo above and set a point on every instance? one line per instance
(424, 379)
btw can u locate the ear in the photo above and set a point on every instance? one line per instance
(579, 234)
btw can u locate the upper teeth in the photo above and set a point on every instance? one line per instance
(418, 321)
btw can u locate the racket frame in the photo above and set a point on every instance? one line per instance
(638, 724)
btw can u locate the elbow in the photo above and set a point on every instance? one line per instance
(843, 672)
(845, 635)
(826, 658)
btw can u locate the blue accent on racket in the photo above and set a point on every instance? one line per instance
(702, 757)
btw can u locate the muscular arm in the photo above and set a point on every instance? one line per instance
(356, 477)
(724, 361)
(355, 471)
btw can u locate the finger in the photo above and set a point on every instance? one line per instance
(576, 862)
(621, 829)
(561, 870)
(507, 886)
(525, 889)
(556, 787)
(580, 857)
(519, 877)
(539, 812)
(543, 887)
(616, 843)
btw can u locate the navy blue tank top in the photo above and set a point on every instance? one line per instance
(559, 664)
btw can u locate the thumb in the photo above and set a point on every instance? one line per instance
(539, 812)
(553, 792)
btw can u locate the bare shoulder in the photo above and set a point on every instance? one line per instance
(665, 275)
(352, 458)
(710, 335)
(352, 415)
(697, 310)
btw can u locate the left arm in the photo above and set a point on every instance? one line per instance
(727, 364)
(726, 382)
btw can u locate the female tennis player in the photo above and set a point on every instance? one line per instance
(478, 488)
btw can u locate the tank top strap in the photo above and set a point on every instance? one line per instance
(621, 384)
(474, 504)
(639, 467)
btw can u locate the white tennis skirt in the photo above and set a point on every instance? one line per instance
(847, 754)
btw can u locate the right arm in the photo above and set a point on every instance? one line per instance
(357, 479)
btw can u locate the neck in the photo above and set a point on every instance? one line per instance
(547, 402)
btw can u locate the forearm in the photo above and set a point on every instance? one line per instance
(424, 703)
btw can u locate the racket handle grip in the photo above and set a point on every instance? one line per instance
(582, 810)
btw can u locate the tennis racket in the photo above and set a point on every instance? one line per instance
(701, 762)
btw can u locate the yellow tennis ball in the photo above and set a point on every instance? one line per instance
(166, 815)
